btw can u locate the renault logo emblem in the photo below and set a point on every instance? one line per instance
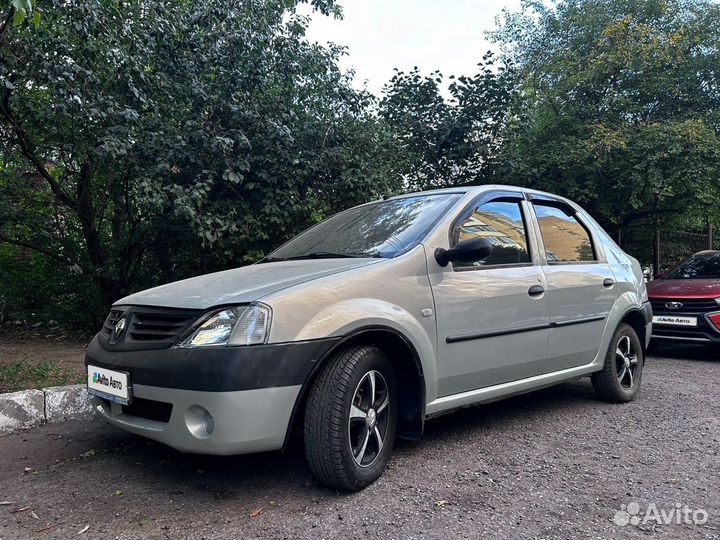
(673, 305)
(119, 327)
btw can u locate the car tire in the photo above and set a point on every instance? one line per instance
(349, 433)
(621, 376)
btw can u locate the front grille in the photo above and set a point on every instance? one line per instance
(110, 322)
(149, 409)
(690, 305)
(147, 327)
(160, 325)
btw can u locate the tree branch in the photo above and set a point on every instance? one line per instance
(26, 148)
(7, 20)
(39, 249)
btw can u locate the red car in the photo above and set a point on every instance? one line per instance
(686, 301)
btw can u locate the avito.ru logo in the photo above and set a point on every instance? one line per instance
(679, 514)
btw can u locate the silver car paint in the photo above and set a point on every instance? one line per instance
(245, 421)
(314, 299)
(239, 285)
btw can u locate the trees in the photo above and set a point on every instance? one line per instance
(440, 140)
(145, 141)
(142, 142)
(619, 105)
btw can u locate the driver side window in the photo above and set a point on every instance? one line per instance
(502, 223)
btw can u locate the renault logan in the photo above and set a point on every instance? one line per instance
(362, 327)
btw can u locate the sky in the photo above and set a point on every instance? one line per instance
(448, 35)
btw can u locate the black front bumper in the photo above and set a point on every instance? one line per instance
(220, 369)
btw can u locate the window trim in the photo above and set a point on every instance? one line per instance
(541, 200)
(492, 196)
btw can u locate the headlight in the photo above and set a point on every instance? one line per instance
(241, 325)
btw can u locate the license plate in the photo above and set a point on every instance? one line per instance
(674, 321)
(109, 384)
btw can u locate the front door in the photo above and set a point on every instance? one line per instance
(492, 316)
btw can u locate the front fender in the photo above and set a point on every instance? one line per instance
(348, 316)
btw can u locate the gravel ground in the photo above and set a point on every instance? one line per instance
(555, 463)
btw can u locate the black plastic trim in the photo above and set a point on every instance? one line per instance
(647, 311)
(496, 333)
(553, 202)
(217, 369)
(532, 328)
(573, 322)
(337, 346)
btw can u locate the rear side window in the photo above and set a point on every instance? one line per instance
(502, 224)
(565, 238)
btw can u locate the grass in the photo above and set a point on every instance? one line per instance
(22, 376)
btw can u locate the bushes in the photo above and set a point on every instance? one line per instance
(36, 289)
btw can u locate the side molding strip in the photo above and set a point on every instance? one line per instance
(577, 321)
(533, 328)
(495, 333)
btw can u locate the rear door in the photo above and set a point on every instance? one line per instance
(492, 316)
(580, 285)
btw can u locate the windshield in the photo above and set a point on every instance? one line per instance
(383, 229)
(697, 267)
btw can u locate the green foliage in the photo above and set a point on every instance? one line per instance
(619, 106)
(17, 10)
(442, 142)
(35, 288)
(148, 141)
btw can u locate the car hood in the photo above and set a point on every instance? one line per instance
(240, 285)
(684, 288)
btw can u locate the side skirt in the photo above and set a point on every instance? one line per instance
(500, 391)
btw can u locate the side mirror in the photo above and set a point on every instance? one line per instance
(467, 251)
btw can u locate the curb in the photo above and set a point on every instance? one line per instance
(32, 408)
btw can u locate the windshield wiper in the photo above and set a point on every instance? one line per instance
(332, 255)
(325, 255)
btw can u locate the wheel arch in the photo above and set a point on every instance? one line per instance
(409, 372)
(636, 318)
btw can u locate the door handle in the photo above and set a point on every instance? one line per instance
(536, 290)
(607, 283)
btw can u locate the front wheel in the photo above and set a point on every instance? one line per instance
(350, 418)
(621, 375)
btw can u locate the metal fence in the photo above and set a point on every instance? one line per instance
(663, 249)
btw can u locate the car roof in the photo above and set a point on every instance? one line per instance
(481, 188)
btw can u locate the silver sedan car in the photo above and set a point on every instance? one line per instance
(365, 325)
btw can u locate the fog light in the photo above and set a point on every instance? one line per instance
(715, 319)
(199, 422)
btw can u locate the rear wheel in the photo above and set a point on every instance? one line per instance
(350, 418)
(619, 380)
